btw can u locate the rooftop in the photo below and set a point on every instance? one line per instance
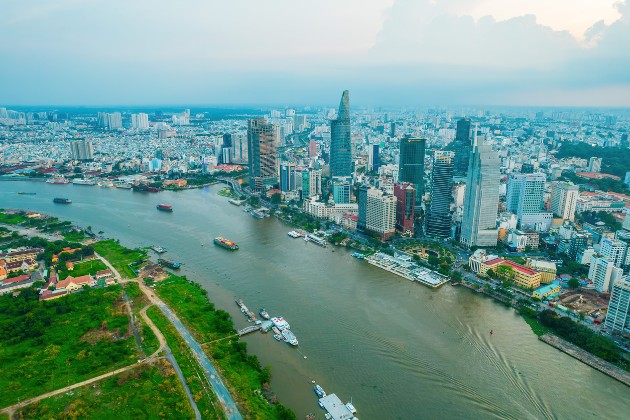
(546, 288)
(336, 408)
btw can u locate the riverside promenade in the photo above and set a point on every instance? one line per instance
(587, 358)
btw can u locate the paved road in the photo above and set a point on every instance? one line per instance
(208, 368)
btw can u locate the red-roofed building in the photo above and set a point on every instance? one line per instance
(71, 284)
(523, 276)
(15, 283)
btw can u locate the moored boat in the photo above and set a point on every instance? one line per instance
(225, 243)
(57, 180)
(264, 313)
(289, 337)
(169, 264)
(164, 207)
(158, 249)
(319, 391)
(60, 200)
(83, 181)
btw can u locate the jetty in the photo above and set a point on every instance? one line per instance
(248, 330)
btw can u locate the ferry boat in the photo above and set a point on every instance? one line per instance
(316, 240)
(164, 207)
(62, 200)
(225, 243)
(57, 180)
(280, 323)
(105, 184)
(351, 408)
(319, 391)
(158, 249)
(169, 264)
(295, 234)
(264, 314)
(257, 214)
(357, 255)
(83, 181)
(124, 186)
(289, 337)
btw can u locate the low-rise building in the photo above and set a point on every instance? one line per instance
(547, 269)
(547, 291)
(16, 283)
(523, 276)
(27, 254)
(71, 284)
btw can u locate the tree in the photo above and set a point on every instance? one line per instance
(276, 199)
(491, 273)
(573, 283)
(505, 272)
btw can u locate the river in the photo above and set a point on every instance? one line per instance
(399, 350)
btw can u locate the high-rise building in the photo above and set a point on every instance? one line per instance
(114, 121)
(311, 183)
(618, 314)
(564, 197)
(287, 177)
(438, 219)
(262, 140)
(373, 157)
(82, 150)
(595, 164)
(312, 148)
(405, 194)
(342, 190)
(462, 145)
(227, 140)
(362, 202)
(140, 121)
(525, 198)
(481, 200)
(603, 274)
(340, 140)
(411, 165)
(614, 250)
(380, 213)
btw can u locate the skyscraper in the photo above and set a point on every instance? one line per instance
(564, 197)
(287, 177)
(603, 274)
(405, 194)
(311, 183)
(438, 219)
(140, 121)
(380, 213)
(595, 164)
(82, 150)
(411, 165)
(340, 140)
(462, 146)
(618, 315)
(373, 157)
(362, 201)
(481, 202)
(262, 141)
(525, 198)
(227, 140)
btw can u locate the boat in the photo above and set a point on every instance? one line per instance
(358, 255)
(225, 243)
(277, 337)
(164, 207)
(319, 391)
(257, 214)
(295, 234)
(236, 202)
(169, 264)
(124, 186)
(280, 323)
(27, 193)
(275, 330)
(144, 188)
(316, 240)
(83, 181)
(105, 184)
(158, 249)
(264, 314)
(57, 180)
(351, 408)
(62, 200)
(321, 404)
(289, 337)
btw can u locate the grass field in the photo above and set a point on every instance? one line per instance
(83, 268)
(147, 392)
(200, 389)
(119, 256)
(47, 345)
(12, 219)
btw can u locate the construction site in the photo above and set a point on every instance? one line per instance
(588, 302)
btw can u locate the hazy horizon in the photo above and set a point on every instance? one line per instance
(401, 53)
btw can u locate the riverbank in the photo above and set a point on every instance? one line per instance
(587, 358)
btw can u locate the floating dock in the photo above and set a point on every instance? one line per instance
(248, 330)
(403, 267)
(336, 408)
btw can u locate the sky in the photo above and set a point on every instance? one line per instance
(296, 52)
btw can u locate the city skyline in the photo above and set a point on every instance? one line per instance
(387, 52)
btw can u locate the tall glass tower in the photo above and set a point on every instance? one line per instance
(262, 140)
(411, 165)
(340, 141)
(438, 220)
(463, 146)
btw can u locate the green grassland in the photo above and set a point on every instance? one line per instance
(47, 345)
(119, 256)
(147, 392)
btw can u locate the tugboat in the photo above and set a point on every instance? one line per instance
(164, 207)
(62, 200)
(225, 243)
(264, 314)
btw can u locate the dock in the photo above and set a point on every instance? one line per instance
(402, 266)
(336, 408)
(248, 330)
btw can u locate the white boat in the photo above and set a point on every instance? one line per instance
(351, 408)
(125, 186)
(295, 234)
(280, 323)
(84, 181)
(105, 184)
(277, 337)
(57, 180)
(289, 337)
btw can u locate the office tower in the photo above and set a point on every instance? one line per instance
(405, 194)
(618, 314)
(227, 140)
(603, 274)
(373, 157)
(481, 200)
(82, 150)
(159, 154)
(577, 244)
(262, 141)
(411, 165)
(380, 213)
(312, 148)
(287, 177)
(240, 149)
(226, 155)
(462, 146)
(311, 183)
(362, 202)
(140, 121)
(624, 141)
(342, 189)
(595, 164)
(438, 219)
(614, 250)
(114, 121)
(525, 198)
(299, 122)
(564, 197)
(340, 140)
(392, 129)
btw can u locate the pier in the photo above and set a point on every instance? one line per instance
(248, 330)
(403, 267)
